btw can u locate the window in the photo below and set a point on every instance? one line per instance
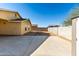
(25, 29)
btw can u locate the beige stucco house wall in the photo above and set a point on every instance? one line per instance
(26, 26)
(11, 23)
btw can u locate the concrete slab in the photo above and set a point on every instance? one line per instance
(20, 45)
(54, 46)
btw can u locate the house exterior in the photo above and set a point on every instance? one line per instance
(11, 23)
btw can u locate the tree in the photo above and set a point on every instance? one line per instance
(74, 12)
(67, 22)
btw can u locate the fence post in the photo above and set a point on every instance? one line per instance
(73, 51)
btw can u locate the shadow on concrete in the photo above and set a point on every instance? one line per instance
(30, 34)
(37, 34)
(21, 45)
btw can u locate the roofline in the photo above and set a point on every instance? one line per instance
(19, 15)
(10, 11)
(8, 20)
(75, 17)
(29, 21)
(3, 19)
(7, 10)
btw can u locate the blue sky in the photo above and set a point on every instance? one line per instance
(43, 14)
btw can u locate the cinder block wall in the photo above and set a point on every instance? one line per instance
(53, 30)
(65, 32)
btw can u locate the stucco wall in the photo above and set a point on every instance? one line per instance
(14, 27)
(10, 28)
(65, 32)
(76, 35)
(27, 25)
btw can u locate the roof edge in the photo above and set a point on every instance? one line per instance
(75, 17)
